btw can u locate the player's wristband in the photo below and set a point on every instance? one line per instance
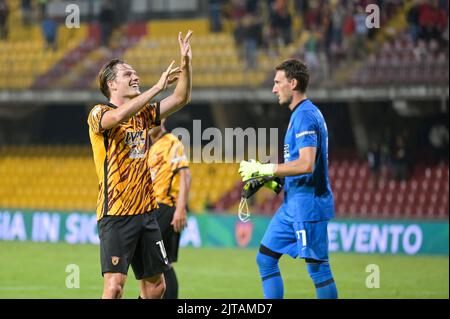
(266, 169)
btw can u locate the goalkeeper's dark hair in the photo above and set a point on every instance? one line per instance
(296, 69)
(108, 73)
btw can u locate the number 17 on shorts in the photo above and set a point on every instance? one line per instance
(163, 251)
(312, 239)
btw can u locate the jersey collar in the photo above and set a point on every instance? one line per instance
(111, 105)
(301, 102)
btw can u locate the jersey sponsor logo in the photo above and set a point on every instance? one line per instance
(136, 142)
(286, 151)
(298, 135)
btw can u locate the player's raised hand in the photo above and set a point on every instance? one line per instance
(185, 46)
(168, 77)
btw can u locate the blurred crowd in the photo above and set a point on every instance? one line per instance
(255, 24)
(337, 28)
(391, 159)
(428, 20)
(394, 151)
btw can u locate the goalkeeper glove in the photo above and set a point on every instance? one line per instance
(252, 168)
(274, 184)
(251, 187)
(254, 184)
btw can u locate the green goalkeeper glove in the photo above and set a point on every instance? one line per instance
(253, 169)
(251, 186)
(255, 184)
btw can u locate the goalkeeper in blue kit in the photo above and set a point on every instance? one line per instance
(299, 227)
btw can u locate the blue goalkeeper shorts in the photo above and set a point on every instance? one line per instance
(308, 239)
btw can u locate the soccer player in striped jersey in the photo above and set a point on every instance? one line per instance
(169, 168)
(118, 130)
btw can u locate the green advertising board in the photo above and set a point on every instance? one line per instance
(408, 237)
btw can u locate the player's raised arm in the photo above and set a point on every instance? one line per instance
(127, 110)
(182, 94)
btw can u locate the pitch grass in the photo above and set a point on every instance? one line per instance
(38, 270)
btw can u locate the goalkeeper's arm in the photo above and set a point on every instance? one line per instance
(303, 165)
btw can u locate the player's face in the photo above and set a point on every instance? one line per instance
(126, 83)
(282, 88)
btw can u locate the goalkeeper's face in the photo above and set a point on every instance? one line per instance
(282, 88)
(126, 83)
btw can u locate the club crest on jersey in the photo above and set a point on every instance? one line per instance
(115, 260)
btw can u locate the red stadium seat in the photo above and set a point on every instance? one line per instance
(443, 211)
(345, 197)
(331, 172)
(392, 186)
(378, 197)
(363, 171)
(364, 210)
(338, 184)
(408, 210)
(349, 185)
(419, 211)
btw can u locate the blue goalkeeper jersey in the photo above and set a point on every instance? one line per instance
(308, 197)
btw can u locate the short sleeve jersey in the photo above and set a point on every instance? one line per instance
(309, 196)
(120, 157)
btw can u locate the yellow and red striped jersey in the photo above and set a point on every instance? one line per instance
(166, 158)
(120, 156)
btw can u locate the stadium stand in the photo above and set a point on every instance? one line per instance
(416, 52)
(63, 178)
(25, 51)
(321, 32)
(400, 61)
